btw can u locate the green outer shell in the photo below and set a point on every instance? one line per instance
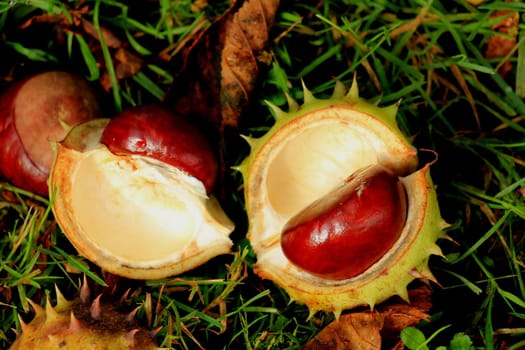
(389, 276)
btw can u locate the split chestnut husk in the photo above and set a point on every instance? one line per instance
(339, 213)
(35, 112)
(142, 211)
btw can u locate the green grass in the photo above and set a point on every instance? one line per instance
(429, 54)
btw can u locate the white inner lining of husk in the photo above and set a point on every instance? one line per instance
(134, 210)
(298, 174)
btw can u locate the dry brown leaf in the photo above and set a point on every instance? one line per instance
(219, 73)
(127, 64)
(400, 315)
(374, 330)
(110, 39)
(503, 45)
(60, 19)
(238, 69)
(359, 330)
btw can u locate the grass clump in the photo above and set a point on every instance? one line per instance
(431, 55)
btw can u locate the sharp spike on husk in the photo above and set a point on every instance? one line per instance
(444, 235)
(148, 309)
(95, 310)
(424, 274)
(130, 318)
(74, 323)
(436, 250)
(85, 292)
(51, 313)
(23, 325)
(250, 140)
(17, 333)
(237, 168)
(430, 276)
(311, 313)
(124, 298)
(353, 93)
(339, 90)
(390, 112)
(337, 313)
(130, 336)
(155, 331)
(444, 225)
(403, 294)
(307, 94)
(39, 311)
(276, 111)
(241, 168)
(292, 103)
(62, 302)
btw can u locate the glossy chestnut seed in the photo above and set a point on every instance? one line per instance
(154, 132)
(35, 112)
(344, 233)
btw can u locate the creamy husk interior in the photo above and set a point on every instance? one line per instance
(133, 213)
(308, 158)
(136, 210)
(298, 174)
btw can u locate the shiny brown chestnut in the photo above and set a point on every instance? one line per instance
(35, 112)
(349, 229)
(154, 132)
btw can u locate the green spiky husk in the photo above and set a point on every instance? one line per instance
(390, 275)
(78, 325)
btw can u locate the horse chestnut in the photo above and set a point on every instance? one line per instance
(154, 132)
(34, 113)
(343, 233)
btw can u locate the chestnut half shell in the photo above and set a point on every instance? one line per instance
(134, 215)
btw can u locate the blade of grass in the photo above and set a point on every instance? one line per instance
(107, 58)
(33, 54)
(89, 59)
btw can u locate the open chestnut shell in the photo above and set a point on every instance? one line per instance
(296, 198)
(134, 214)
